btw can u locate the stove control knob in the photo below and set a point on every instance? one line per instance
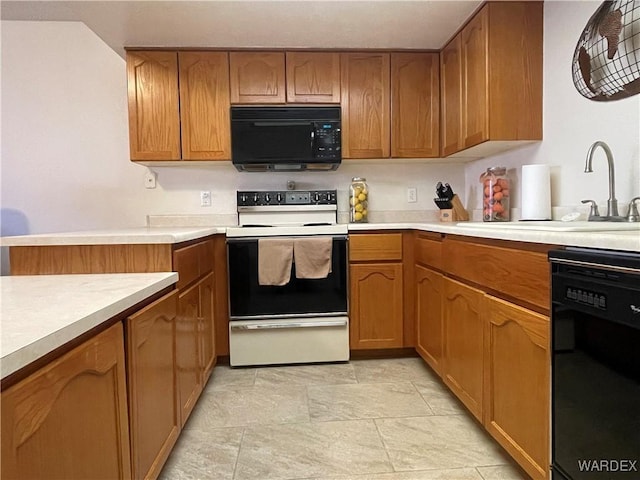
(243, 199)
(316, 197)
(256, 197)
(267, 198)
(279, 198)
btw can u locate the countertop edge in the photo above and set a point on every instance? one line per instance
(27, 354)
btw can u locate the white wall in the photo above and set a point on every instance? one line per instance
(571, 124)
(65, 158)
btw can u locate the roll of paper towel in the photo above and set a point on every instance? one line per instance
(536, 192)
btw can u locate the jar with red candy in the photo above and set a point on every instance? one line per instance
(495, 195)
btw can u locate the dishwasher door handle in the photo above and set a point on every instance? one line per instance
(276, 326)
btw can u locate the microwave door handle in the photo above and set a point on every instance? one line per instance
(280, 124)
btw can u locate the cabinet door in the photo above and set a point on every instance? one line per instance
(429, 316)
(463, 343)
(451, 106)
(376, 319)
(475, 80)
(188, 351)
(69, 419)
(204, 105)
(207, 327)
(153, 402)
(415, 105)
(154, 118)
(313, 77)
(517, 389)
(257, 77)
(365, 105)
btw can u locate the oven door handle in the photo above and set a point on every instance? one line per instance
(277, 326)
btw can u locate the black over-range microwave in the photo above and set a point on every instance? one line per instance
(285, 138)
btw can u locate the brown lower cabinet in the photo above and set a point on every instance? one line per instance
(463, 343)
(153, 399)
(429, 320)
(517, 384)
(69, 419)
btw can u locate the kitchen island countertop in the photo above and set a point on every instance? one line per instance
(43, 312)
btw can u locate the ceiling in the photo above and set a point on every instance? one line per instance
(421, 24)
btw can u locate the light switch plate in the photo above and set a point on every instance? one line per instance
(412, 195)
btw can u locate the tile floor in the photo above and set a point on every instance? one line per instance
(386, 419)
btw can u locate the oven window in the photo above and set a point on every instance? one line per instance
(596, 396)
(300, 296)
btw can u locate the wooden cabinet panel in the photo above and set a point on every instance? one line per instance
(516, 273)
(207, 329)
(188, 375)
(474, 57)
(517, 388)
(376, 320)
(415, 105)
(515, 76)
(451, 100)
(365, 105)
(204, 105)
(76, 404)
(463, 344)
(375, 246)
(186, 261)
(313, 77)
(153, 400)
(154, 118)
(428, 314)
(428, 250)
(257, 77)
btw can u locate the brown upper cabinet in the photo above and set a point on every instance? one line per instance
(313, 77)
(204, 105)
(186, 123)
(154, 115)
(257, 77)
(365, 105)
(492, 80)
(415, 105)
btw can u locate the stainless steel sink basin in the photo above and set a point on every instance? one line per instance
(556, 226)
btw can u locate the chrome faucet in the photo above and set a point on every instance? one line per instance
(612, 203)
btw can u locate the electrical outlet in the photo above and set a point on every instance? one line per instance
(150, 179)
(412, 195)
(205, 198)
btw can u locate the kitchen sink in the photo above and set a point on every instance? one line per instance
(556, 226)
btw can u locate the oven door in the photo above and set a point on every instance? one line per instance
(299, 298)
(596, 374)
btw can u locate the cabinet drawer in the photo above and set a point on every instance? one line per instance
(428, 250)
(520, 274)
(375, 246)
(186, 261)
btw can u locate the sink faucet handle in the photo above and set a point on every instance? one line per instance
(593, 213)
(633, 215)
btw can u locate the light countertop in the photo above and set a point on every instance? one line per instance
(613, 240)
(43, 312)
(114, 236)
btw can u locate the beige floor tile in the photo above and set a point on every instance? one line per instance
(449, 474)
(224, 377)
(375, 400)
(438, 442)
(198, 455)
(242, 406)
(392, 370)
(439, 398)
(326, 374)
(307, 450)
(502, 472)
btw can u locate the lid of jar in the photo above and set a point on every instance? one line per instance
(358, 179)
(497, 170)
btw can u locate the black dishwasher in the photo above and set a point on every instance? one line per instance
(596, 364)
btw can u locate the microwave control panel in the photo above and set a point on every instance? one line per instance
(327, 139)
